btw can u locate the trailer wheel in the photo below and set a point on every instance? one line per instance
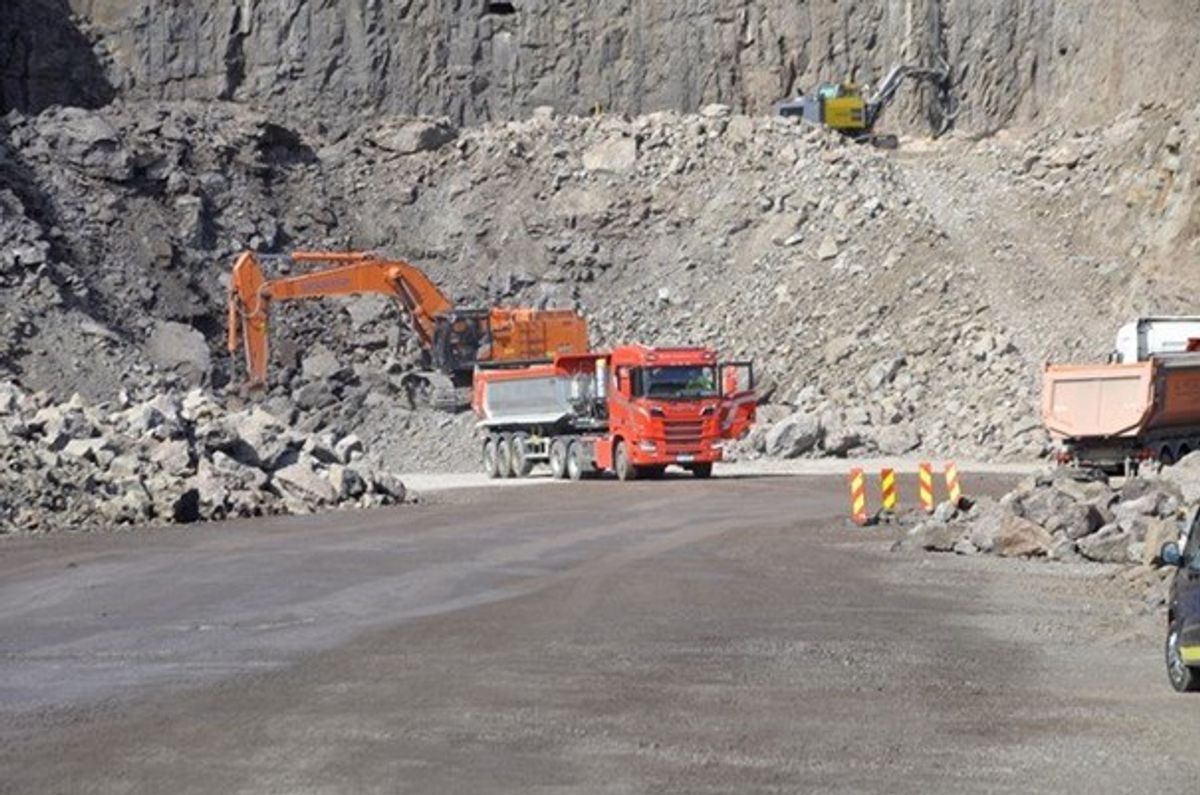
(491, 458)
(1166, 457)
(703, 470)
(625, 468)
(575, 467)
(504, 457)
(558, 459)
(521, 465)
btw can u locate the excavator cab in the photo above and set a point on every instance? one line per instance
(461, 337)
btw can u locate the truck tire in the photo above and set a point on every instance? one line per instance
(703, 470)
(575, 464)
(558, 459)
(1184, 678)
(491, 457)
(625, 468)
(521, 465)
(504, 457)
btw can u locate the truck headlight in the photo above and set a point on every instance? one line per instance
(648, 447)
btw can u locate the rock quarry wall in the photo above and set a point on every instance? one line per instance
(1014, 61)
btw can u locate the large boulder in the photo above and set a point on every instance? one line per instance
(794, 436)
(1002, 533)
(1185, 475)
(301, 480)
(180, 348)
(615, 156)
(934, 536)
(409, 136)
(1109, 544)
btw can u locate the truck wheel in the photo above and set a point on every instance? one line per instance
(504, 457)
(521, 465)
(558, 459)
(1184, 678)
(575, 467)
(703, 470)
(491, 458)
(625, 468)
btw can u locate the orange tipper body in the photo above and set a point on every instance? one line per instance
(456, 339)
(1105, 415)
(633, 410)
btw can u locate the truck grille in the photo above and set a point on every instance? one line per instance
(683, 436)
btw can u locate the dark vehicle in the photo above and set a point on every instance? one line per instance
(1183, 607)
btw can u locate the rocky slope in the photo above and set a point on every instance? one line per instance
(894, 301)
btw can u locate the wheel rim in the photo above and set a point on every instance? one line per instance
(1175, 667)
(573, 468)
(489, 458)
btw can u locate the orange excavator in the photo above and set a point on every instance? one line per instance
(454, 339)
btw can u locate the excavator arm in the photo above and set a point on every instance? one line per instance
(938, 76)
(251, 294)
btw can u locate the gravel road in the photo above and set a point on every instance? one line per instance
(675, 636)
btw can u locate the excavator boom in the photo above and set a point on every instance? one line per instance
(453, 338)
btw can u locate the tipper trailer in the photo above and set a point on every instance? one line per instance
(1116, 416)
(634, 410)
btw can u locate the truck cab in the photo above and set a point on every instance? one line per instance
(672, 406)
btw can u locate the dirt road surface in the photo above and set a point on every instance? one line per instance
(727, 636)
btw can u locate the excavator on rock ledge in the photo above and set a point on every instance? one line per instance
(845, 107)
(454, 340)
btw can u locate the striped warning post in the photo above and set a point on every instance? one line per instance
(952, 485)
(926, 479)
(887, 488)
(858, 497)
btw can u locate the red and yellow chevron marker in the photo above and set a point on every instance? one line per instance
(887, 488)
(858, 497)
(926, 478)
(952, 486)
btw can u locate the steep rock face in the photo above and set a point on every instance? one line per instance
(477, 60)
(46, 59)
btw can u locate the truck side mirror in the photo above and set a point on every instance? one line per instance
(1170, 555)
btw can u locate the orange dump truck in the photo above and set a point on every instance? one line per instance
(1116, 416)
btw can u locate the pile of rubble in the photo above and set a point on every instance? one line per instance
(172, 459)
(1065, 515)
(891, 304)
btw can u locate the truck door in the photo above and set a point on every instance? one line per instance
(739, 403)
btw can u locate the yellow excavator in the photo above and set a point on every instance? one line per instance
(847, 107)
(454, 340)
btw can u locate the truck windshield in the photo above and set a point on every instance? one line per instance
(677, 382)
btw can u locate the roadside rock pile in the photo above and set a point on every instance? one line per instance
(172, 459)
(1059, 517)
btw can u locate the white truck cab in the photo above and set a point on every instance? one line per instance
(1144, 337)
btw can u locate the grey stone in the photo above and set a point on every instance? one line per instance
(934, 536)
(179, 347)
(1109, 544)
(883, 372)
(320, 363)
(794, 436)
(897, 439)
(615, 156)
(406, 137)
(302, 480)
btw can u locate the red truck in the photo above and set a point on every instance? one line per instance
(633, 410)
